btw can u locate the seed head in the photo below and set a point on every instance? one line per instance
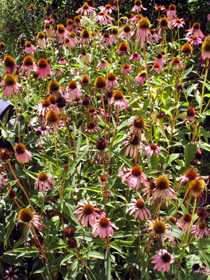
(166, 258)
(114, 31)
(191, 174)
(100, 82)
(159, 227)
(42, 63)
(25, 215)
(46, 103)
(103, 222)
(118, 95)
(88, 209)
(190, 18)
(42, 177)
(126, 28)
(11, 193)
(5, 154)
(60, 28)
(201, 212)
(140, 204)
(19, 149)
(202, 226)
(136, 171)
(69, 21)
(85, 33)
(28, 44)
(144, 23)
(52, 99)
(163, 22)
(188, 218)
(2, 45)
(138, 2)
(139, 123)
(162, 183)
(101, 144)
(41, 35)
(72, 85)
(54, 86)
(60, 102)
(196, 187)
(52, 116)
(72, 243)
(196, 25)
(123, 47)
(172, 7)
(186, 49)
(28, 60)
(206, 45)
(69, 232)
(9, 61)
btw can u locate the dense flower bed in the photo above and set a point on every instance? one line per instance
(101, 160)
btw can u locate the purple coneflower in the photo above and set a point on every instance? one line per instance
(139, 205)
(11, 85)
(119, 100)
(29, 48)
(176, 62)
(189, 175)
(143, 32)
(87, 213)
(102, 64)
(162, 260)
(191, 115)
(195, 30)
(160, 58)
(171, 13)
(200, 230)
(31, 219)
(138, 126)
(194, 39)
(157, 67)
(151, 148)
(142, 76)
(159, 229)
(43, 68)
(11, 273)
(61, 33)
(133, 145)
(133, 176)
(41, 40)
(73, 91)
(108, 9)
(22, 154)
(86, 10)
(126, 68)
(178, 22)
(138, 6)
(136, 57)
(29, 64)
(103, 227)
(126, 32)
(106, 39)
(10, 64)
(185, 223)
(163, 190)
(206, 49)
(43, 182)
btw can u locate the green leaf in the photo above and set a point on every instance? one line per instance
(10, 227)
(68, 257)
(107, 265)
(170, 159)
(154, 161)
(189, 154)
(95, 255)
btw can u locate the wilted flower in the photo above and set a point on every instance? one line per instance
(200, 230)
(185, 223)
(31, 219)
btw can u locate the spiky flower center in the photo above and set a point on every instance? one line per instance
(92, 110)
(178, 20)
(106, 35)
(123, 47)
(46, 103)
(111, 77)
(191, 112)
(60, 28)
(85, 34)
(172, 7)
(136, 171)
(153, 147)
(72, 35)
(2, 45)
(127, 28)
(186, 48)
(176, 60)
(9, 80)
(42, 63)
(85, 80)
(118, 95)
(101, 144)
(144, 23)
(196, 187)
(103, 222)
(138, 2)
(52, 116)
(88, 209)
(28, 44)
(69, 21)
(9, 61)
(100, 82)
(20, 149)
(108, 6)
(69, 232)
(163, 22)
(188, 218)
(114, 31)
(152, 185)
(72, 85)
(201, 212)
(135, 140)
(206, 45)
(196, 25)
(140, 204)
(173, 220)
(72, 243)
(11, 193)
(138, 123)
(191, 174)
(5, 154)
(166, 258)
(41, 35)
(162, 183)
(156, 65)
(42, 177)
(202, 226)
(85, 6)
(28, 61)
(90, 125)
(54, 85)
(25, 215)
(159, 227)
(126, 66)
